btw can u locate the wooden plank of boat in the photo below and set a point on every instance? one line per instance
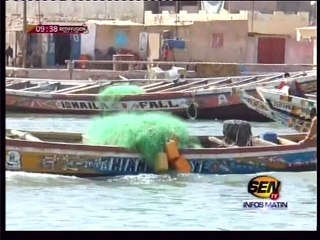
(200, 84)
(235, 83)
(307, 83)
(161, 87)
(76, 87)
(151, 85)
(46, 87)
(24, 135)
(207, 86)
(19, 85)
(311, 96)
(68, 158)
(172, 86)
(258, 81)
(90, 89)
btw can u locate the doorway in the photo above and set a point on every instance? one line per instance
(271, 50)
(62, 49)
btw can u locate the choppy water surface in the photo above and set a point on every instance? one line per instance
(150, 202)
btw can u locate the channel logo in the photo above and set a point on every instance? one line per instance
(267, 189)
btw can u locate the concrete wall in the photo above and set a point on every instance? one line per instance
(184, 16)
(198, 36)
(252, 50)
(315, 51)
(269, 6)
(275, 23)
(261, 6)
(234, 34)
(126, 10)
(105, 37)
(298, 52)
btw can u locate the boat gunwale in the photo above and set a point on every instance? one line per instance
(100, 149)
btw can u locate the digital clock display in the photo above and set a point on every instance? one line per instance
(58, 29)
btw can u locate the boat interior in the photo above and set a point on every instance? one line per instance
(150, 86)
(206, 141)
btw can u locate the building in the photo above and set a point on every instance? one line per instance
(271, 38)
(268, 7)
(309, 35)
(244, 37)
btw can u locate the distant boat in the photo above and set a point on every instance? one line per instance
(215, 98)
(291, 111)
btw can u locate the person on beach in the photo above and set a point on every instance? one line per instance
(9, 55)
(296, 90)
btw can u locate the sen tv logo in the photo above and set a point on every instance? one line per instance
(267, 189)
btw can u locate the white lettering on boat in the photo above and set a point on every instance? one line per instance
(123, 105)
(117, 164)
(13, 160)
(281, 105)
(78, 163)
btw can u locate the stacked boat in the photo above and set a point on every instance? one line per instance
(210, 98)
(245, 97)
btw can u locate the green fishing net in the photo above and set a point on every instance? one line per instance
(145, 133)
(114, 93)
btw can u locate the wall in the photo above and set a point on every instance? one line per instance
(235, 34)
(198, 36)
(127, 10)
(315, 51)
(88, 40)
(298, 52)
(261, 6)
(105, 36)
(170, 18)
(269, 6)
(252, 50)
(275, 23)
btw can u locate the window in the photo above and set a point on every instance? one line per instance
(217, 40)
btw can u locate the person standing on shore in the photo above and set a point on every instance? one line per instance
(9, 55)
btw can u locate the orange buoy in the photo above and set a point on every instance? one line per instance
(181, 165)
(172, 150)
(175, 160)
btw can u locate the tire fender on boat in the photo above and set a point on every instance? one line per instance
(192, 111)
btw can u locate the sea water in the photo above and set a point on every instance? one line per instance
(150, 202)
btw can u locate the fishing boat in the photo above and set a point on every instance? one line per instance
(216, 98)
(291, 111)
(70, 154)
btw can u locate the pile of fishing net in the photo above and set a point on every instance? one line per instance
(114, 93)
(145, 133)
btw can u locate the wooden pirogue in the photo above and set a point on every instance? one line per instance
(67, 154)
(291, 111)
(203, 99)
